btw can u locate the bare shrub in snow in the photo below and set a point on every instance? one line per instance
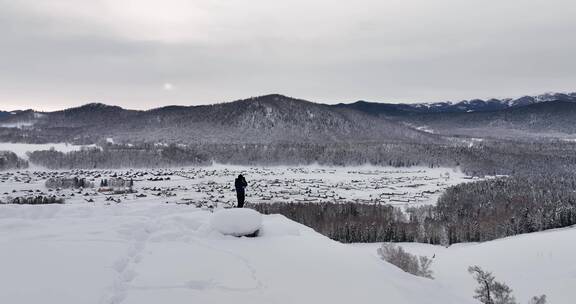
(490, 291)
(416, 265)
(538, 300)
(425, 264)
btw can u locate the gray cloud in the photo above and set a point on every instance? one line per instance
(56, 54)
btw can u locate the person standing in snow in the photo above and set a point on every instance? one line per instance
(240, 184)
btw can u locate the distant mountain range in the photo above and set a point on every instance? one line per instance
(474, 105)
(277, 118)
(548, 115)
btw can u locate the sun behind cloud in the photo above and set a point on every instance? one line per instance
(168, 86)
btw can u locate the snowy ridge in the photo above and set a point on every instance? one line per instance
(472, 105)
(498, 104)
(150, 252)
(532, 264)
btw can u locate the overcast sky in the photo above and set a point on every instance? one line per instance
(149, 53)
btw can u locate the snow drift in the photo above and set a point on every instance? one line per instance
(236, 222)
(531, 264)
(152, 252)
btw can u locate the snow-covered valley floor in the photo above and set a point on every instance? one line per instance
(215, 185)
(531, 264)
(151, 252)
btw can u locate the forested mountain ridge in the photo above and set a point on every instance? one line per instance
(264, 119)
(547, 119)
(276, 118)
(548, 115)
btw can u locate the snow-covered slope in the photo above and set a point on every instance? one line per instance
(151, 252)
(531, 264)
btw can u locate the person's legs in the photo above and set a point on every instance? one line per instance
(240, 196)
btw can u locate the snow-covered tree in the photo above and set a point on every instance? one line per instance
(538, 300)
(490, 291)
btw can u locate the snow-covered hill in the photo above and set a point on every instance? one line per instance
(152, 252)
(531, 264)
(265, 119)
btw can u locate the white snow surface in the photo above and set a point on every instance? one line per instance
(152, 252)
(236, 222)
(531, 264)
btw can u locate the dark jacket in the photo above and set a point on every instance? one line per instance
(240, 183)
